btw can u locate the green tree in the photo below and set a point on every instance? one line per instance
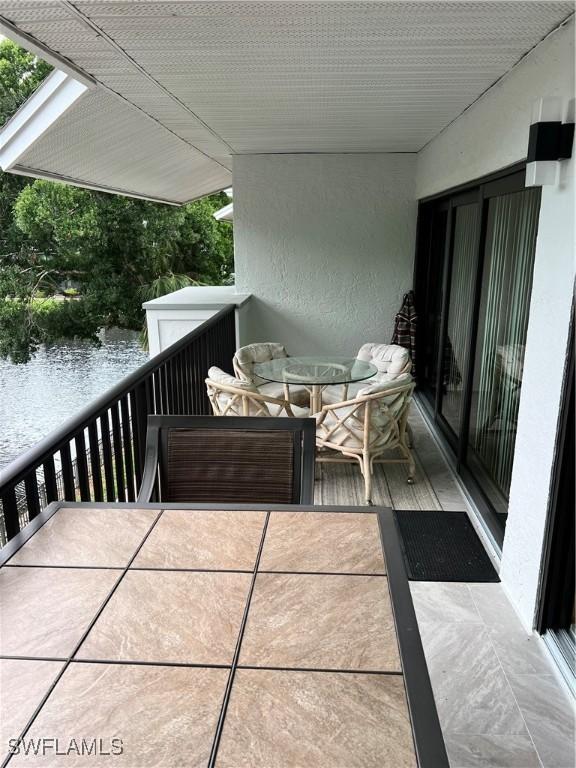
(20, 74)
(119, 251)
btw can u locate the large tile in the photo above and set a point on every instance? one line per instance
(161, 716)
(323, 541)
(549, 714)
(45, 611)
(519, 652)
(474, 751)
(470, 688)
(171, 616)
(443, 602)
(23, 683)
(87, 537)
(494, 607)
(320, 622)
(203, 539)
(280, 719)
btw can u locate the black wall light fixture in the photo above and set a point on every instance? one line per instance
(550, 141)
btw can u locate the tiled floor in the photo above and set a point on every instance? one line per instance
(201, 638)
(500, 702)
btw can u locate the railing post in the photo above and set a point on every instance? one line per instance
(32, 497)
(139, 408)
(127, 442)
(95, 461)
(82, 467)
(10, 511)
(50, 485)
(68, 473)
(107, 457)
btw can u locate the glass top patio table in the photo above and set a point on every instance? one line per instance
(315, 371)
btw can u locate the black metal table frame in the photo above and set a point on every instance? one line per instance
(427, 734)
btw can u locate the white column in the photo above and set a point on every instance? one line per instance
(171, 317)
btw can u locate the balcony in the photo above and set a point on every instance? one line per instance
(490, 680)
(373, 148)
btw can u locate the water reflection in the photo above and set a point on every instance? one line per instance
(60, 380)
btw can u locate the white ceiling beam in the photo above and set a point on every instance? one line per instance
(225, 214)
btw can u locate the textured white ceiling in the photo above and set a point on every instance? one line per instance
(241, 77)
(105, 143)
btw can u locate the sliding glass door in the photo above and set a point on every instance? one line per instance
(477, 307)
(503, 322)
(434, 233)
(456, 343)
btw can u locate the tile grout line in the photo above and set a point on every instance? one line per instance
(236, 656)
(76, 648)
(203, 665)
(66, 567)
(14, 657)
(136, 569)
(322, 670)
(497, 655)
(323, 573)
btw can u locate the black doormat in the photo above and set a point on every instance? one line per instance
(442, 546)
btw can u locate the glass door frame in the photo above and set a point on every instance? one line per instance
(472, 197)
(557, 571)
(506, 181)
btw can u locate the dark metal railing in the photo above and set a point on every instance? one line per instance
(99, 454)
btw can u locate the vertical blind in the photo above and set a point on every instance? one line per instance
(503, 322)
(457, 342)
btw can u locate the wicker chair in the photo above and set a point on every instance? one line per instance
(391, 361)
(230, 396)
(364, 428)
(235, 460)
(247, 357)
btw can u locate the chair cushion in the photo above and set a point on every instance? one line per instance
(221, 377)
(299, 395)
(384, 386)
(388, 358)
(278, 410)
(333, 394)
(351, 434)
(246, 357)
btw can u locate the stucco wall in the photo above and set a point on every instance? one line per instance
(493, 132)
(491, 135)
(546, 345)
(325, 245)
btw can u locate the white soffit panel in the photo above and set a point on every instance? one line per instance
(293, 76)
(105, 144)
(181, 85)
(57, 94)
